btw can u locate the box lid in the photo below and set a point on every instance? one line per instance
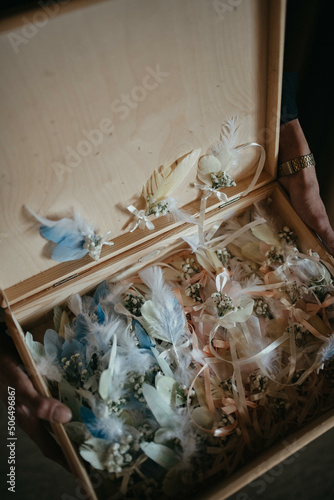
(97, 95)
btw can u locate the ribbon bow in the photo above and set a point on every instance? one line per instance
(142, 220)
(208, 191)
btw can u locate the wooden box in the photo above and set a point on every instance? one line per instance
(96, 95)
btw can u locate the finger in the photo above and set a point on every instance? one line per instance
(38, 433)
(40, 406)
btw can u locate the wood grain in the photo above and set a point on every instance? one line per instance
(68, 78)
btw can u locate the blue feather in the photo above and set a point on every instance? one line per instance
(101, 292)
(143, 338)
(82, 329)
(57, 231)
(101, 317)
(92, 423)
(64, 254)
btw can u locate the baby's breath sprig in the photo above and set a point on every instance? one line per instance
(226, 385)
(224, 303)
(262, 309)
(257, 382)
(189, 268)
(226, 420)
(74, 369)
(294, 291)
(221, 179)
(133, 303)
(224, 256)
(275, 256)
(300, 333)
(285, 234)
(118, 455)
(157, 208)
(279, 407)
(135, 385)
(193, 291)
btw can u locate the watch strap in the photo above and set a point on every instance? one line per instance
(295, 165)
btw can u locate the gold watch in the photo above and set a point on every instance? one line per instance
(295, 165)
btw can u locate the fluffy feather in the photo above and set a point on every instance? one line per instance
(163, 315)
(74, 237)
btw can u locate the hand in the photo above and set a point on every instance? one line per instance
(303, 187)
(32, 410)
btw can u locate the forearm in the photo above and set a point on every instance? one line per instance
(302, 186)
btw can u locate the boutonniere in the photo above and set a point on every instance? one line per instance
(214, 168)
(74, 237)
(157, 192)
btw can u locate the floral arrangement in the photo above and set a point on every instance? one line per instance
(195, 363)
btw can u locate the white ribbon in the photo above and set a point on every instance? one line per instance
(208, 191)
(142, 220)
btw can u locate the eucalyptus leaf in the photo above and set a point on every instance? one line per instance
(162, 363)
(57, 312)
(203, 417)
(77, 431)
(160, 454)
(70, 398)
(265, 233)
(104, 383)
(252, 252)
(161, 410)
(170, 390)
(246, 305)
(64, 321)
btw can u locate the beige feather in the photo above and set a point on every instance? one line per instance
(165, 179)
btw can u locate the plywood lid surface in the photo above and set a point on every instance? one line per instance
(95, 99)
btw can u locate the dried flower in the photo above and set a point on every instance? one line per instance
(285, 234)
(133, 303)
(275, 255)
(224, 304)
(193, 291)
(261, 308)
(221, 179)
(224, 256)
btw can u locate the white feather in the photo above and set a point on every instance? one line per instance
(164, 315)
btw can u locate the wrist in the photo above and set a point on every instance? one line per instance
(292, 143)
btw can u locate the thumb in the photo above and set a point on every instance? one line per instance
(42, 407)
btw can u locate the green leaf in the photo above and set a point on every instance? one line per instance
(241, 315)
(57, 313)
(170, 390)
(64, 320)
(70, 398)
(265, 233)
(158, 406)
(203, 417)
(105, 383)
(252, 252)
(160, 454)
(162, 363)
(77, 431)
